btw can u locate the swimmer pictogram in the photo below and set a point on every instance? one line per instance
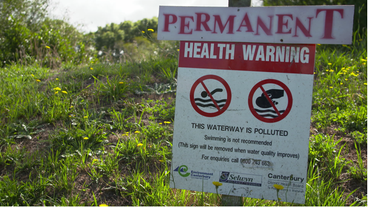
(210, 95)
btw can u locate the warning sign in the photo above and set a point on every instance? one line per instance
(242, 118)
(270, 100)
(210, 95)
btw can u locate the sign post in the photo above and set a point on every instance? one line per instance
(227, 200)
(243, 109)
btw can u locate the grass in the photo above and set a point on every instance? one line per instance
(102, 134)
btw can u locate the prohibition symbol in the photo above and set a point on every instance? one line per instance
(269, 104)
(208, 97)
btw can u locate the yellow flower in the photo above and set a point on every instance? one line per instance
(64, 92)
(318, 44)
(143, 32)
(160, 123)
(363, 60)
(331, 70)
(85, 138)
(167, 122)
(91, 68)
(365, 83)
(331, 87)
(137, 132)
(341, 83)
(85, 117)
(178, 49)
(139, 144)
(217, 184)
(121, 82)
(32, 75)
(353, 74)
(57, 89)
(56, 78)
(47, 47)
(329, 63)
(38, 80)
(278, 187)
(103, 205)
(279, 199)
(346, 79)
(56, 92)
(161, 160)
(71, 106)
(151, 30)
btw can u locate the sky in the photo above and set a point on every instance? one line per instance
(88, 15)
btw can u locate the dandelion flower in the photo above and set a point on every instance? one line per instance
(91, 68)
(363, 60)
(121, 82)
(365, 83)
(139, 144)
(331, 86)
(56, 78)
(32, 75)
(143, 32)
(38, 80)
(71, 106)
(103, 205)
(85, 117)
(47, 47)
(278, 187)
(57, 89)
(331, 70)
(167, 122)
(160, 123)
(353, 74)
(178, 49)
(137, 132)
(85, 138)
(64, 92)
(341, 83)
(56, 92)
(151, 30)
(217, 184)
(329, 63)
(318, 44)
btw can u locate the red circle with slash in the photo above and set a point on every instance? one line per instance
(280, 116)
(219, 110)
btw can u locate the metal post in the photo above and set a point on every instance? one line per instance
(228, 200)
(239, 3)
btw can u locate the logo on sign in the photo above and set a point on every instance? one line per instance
(182, 170)
(239, 178)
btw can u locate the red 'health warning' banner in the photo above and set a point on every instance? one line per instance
(260, 57)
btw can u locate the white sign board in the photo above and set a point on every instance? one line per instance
(242, 118)
(292, 24)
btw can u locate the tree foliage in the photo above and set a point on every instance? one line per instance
(360, 13)
(119, 38)
(28, 35)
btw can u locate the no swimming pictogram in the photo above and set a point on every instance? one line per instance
(270, 100)
(210, 95)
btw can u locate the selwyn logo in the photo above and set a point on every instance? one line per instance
(182, 169)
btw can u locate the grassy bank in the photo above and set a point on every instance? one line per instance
(102, 134)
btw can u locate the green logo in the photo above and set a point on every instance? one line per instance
(183, 168)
